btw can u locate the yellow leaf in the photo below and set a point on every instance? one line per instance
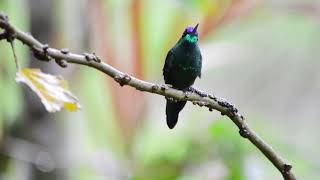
(52, 90)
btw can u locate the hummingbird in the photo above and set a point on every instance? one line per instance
(181, 68)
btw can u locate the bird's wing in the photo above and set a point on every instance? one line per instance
(199, 75)
(167, 67)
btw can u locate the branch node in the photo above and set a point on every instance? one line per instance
(62, 63)
(41, 55)
(8, 33)
(45, 48)
(154, 88)
(92, 57)
(287, 168)
(9, 36)
(64, 51)
(122, 79)
(87, 56)
(164, 87)
(212, 97)
(96, 58)
(210, 109)
(200, 103)
(244, 132)
(3, 16)
(3, 35)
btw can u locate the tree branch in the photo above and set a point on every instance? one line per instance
(45, 53)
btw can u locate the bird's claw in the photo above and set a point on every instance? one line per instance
(171, 99)
(187, 94)
(169, 85)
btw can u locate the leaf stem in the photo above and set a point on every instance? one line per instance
(14, 55)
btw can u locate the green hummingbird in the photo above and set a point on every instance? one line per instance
(182, 66)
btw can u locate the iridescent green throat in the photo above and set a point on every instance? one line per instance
(191, 38)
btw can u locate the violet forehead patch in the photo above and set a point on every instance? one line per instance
(190, 29)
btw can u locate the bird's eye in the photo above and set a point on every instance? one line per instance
(184, 34)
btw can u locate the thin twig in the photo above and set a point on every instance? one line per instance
(14, 55)
(43, 52)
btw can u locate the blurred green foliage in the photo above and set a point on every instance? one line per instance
(156, 153)
(230, 147)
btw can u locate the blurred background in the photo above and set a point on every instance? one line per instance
(262, 55)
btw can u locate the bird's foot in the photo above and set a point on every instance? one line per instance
(187, 93)
(171, 99)
(169, 85)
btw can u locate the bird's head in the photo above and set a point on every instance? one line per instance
(190, 34)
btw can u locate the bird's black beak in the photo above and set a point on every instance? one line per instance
(195, 29)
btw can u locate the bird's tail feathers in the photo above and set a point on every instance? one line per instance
(172, 111)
